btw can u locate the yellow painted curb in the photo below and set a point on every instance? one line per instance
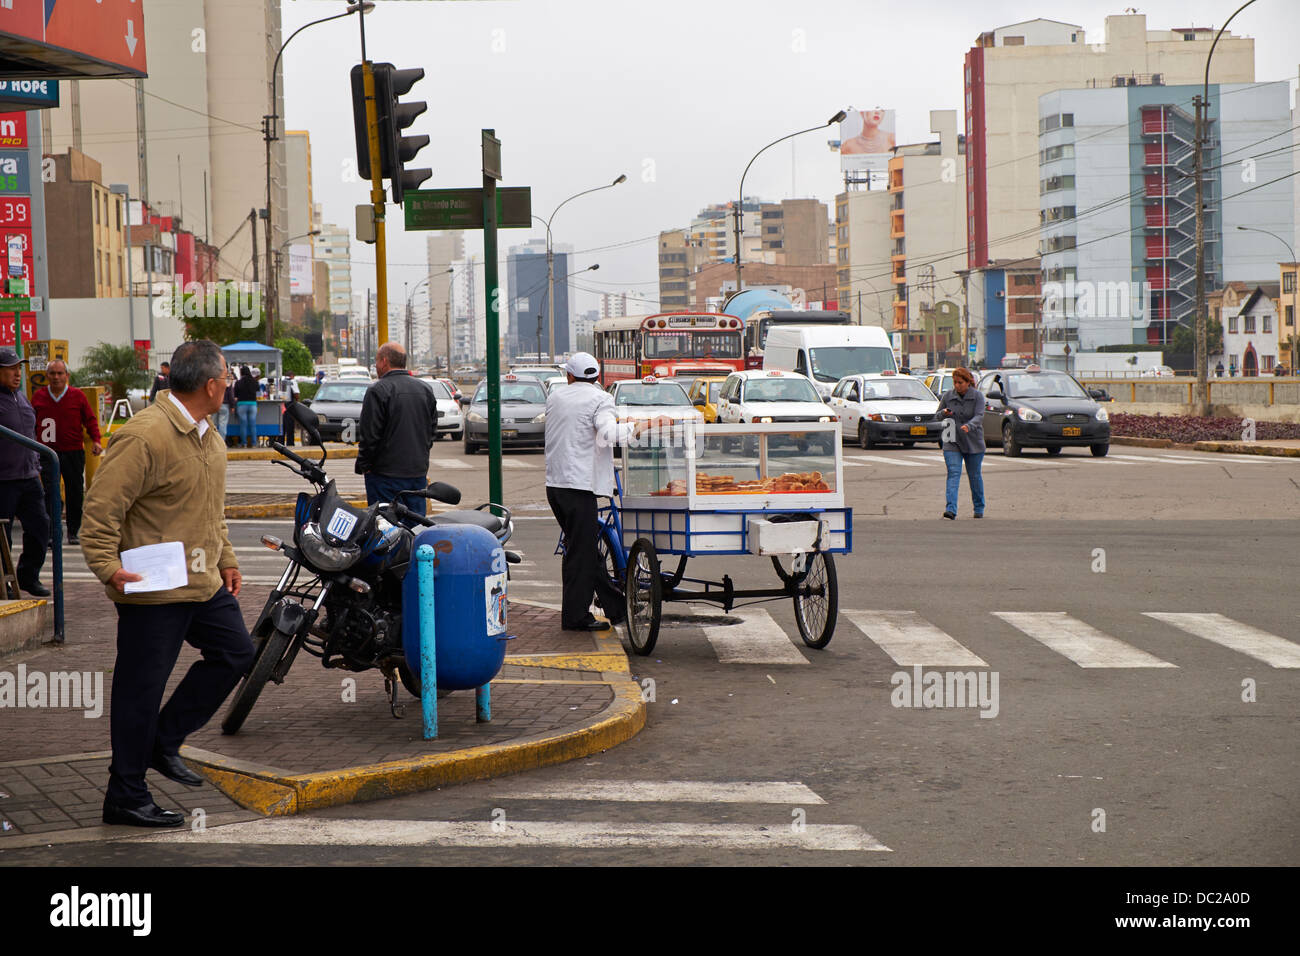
(571, 662)
(282, 509)
(20, 605)
(270, 454)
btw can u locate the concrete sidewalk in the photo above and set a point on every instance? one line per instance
(323, 738)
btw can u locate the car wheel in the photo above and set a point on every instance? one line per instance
(1053, 449)
(456, 436)
(908, 444)
(470, 447)
(437, 436)
(1099, 451)
(864, 436)
(1010, 447)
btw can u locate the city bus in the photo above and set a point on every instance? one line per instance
(668, 344)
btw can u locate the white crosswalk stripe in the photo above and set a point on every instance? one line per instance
(675, 791)
(1078, 641)
(910, 640)
(451, 464)
(517, 465)
(1251, 641)
(757, 640)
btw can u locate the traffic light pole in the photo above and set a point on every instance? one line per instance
(377, 197)
(491, 171)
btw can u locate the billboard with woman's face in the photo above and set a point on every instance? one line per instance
(867, 140)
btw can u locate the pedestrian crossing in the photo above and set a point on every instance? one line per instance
(886, 461)
(779, 812)
(909, 640)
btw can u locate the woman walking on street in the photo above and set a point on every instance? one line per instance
(961, 409)
(246, 399)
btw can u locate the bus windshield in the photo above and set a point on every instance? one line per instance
(833, 364)
(692, 344)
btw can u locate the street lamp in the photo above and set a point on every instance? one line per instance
(550, 261)
(1294, 311)
(269, 135)
(740, 201)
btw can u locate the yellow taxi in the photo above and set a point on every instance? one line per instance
(704, 395)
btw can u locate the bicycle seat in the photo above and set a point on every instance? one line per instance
(483, 519)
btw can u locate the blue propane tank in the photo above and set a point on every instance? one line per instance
(469, 603)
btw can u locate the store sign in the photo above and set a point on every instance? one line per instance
(14, 176)
(29, 94)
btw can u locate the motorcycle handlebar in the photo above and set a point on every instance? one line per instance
(277, 446)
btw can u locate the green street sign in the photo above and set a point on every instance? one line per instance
(19, 303)
(17, 287)
(463, 208)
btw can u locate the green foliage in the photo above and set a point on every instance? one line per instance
(114, 366)
(307, 391)
(225, 314)
(294, 355)
(1184, 338)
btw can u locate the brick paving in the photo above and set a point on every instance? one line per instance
(54, 765)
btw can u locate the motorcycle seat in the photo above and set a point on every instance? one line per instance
(493, 523)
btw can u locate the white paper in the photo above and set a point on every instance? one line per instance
(162, 567)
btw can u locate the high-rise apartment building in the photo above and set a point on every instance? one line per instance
(334, 248)
(527, 281)
(862, 248)
(1009, 68)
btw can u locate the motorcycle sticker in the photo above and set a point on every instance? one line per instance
(341, 524)
(494, 587)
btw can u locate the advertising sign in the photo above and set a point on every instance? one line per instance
(29, 94)
(80, 38)
(13, 173)
(300, 270)
(13, 130)
(867, 139)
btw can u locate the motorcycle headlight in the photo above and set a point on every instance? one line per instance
(475, 417)
(324, 556)
(1103, 415)
(1028, 414)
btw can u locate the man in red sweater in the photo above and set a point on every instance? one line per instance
(61, 413)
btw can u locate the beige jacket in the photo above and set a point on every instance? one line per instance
(159, 482)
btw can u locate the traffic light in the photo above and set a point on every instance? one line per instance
(393, 116)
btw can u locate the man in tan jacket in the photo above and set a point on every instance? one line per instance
(163, 479)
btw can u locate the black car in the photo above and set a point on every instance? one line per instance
(1033, 408)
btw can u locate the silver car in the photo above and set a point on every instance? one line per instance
(523, 415)
(338, 405)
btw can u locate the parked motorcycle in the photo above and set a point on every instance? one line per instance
(340, 596)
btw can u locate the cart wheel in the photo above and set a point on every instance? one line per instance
(608, 562)
(644, 597)
(817, 601)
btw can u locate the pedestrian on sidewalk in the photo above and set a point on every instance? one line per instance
(246, 405)
(399, 421)
(63, 417)
(227, 410)
(161, 382)
(582, 429)
(164, 479)
(291, 394)
(961, 409)
(21, 493)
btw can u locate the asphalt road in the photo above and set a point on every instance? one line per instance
(1138, 612)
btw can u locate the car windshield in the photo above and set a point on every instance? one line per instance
(659, 393)
(439, 390)
(833, 364)
(684, 344)
(713, 392)
(518, 392)
(879, 389)
(780, 390)
(341, 392)
(1043, 385)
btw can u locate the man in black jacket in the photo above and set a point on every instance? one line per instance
(399, 420)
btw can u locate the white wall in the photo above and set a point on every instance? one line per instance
(87, 322)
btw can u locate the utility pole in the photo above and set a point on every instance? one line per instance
(1202, 382)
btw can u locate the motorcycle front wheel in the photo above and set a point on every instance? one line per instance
(273, 648)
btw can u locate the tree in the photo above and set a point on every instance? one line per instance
(225, 314)
(116, 366)
(294, 356)
(1184, 338)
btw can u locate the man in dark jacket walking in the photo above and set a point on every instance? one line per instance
(21, 494)
(399, 419)
(961, 409)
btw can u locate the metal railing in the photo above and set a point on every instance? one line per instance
(56, 523)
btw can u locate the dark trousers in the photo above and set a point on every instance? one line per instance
(72, 471)
(386, 487)
(149, 638)
(582, 572)
(24, 499)
(286, 426)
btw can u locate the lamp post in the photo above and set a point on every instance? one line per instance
(740, 197)
(270, 135)
(1294, 311)
(1202, 119)
(550, 260)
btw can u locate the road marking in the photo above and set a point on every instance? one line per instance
(675, 791)
(1224, 631)
(1080, 642)
(882, 460)
(451, 464)
(910, 640)
(301, 831)
(518, 465)
(756, 640)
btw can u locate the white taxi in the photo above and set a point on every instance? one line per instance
(885, 407)
(770, 395)
(651, 397)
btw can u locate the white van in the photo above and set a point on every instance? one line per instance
(827, 354)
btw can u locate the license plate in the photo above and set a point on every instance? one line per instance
(918, 429)
(1071, 431)
(510, 433)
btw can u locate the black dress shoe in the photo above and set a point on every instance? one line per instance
(592, 625)
(950, 516)
(35, 588)
(173, 767)
(74, 539)
(148, 815)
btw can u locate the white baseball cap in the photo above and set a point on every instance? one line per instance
(582, 365)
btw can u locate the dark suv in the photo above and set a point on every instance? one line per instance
(1032, 408)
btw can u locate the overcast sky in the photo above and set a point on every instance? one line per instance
(677, 94)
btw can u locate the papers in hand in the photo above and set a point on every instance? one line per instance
(161, 566)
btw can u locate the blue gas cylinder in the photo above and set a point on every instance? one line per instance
(469, 602)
